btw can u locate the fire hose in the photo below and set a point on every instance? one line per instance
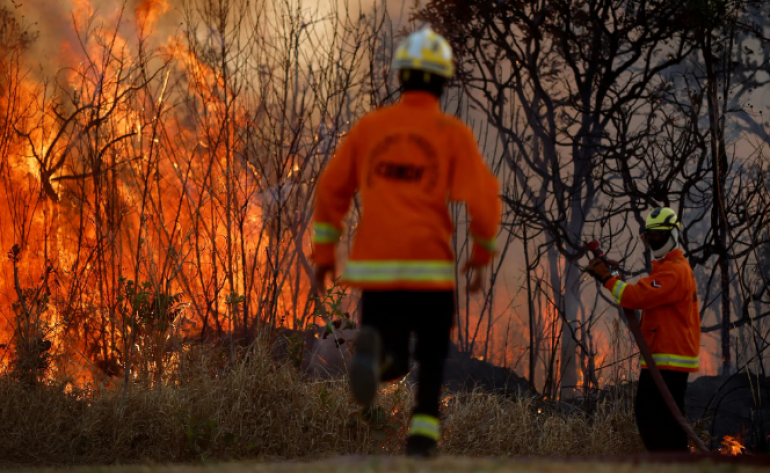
(644, 349)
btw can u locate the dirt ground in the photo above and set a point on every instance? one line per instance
(453, 465)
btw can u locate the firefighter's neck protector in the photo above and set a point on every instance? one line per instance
(412, 79)
(669, 245)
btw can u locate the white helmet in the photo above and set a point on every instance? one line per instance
(426, 51)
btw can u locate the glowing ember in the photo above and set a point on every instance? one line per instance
(447, 400)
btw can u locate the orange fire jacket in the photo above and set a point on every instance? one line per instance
(407, 160)
(670, 317)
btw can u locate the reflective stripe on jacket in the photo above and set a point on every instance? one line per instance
(668, 300)
(407, 160)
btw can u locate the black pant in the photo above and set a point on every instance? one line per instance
(659, 429)
(398, 314)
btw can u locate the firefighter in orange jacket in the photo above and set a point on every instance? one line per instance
(407, 161)
(670, 324)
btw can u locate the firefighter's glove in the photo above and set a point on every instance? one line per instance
(599, 269)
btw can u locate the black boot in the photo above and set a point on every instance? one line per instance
(420, 446)
(365, 366)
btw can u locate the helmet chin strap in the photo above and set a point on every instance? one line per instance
(671, 245)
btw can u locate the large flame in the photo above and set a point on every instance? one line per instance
(140, 203)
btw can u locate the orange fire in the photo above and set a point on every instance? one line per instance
(731, 446)
(138, 222)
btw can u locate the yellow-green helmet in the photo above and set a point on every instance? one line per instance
(662, 218)
(425, 51)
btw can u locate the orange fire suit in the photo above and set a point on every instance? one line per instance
(408, 160)
(670, 316)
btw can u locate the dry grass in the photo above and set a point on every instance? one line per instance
(255, 408)
(485, 424)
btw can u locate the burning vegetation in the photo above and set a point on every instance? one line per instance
(156, 187)
(731, 446)
(157, 179)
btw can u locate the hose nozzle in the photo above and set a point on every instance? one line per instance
(596, 248)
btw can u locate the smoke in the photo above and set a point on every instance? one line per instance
(149, 11)
(63, 25)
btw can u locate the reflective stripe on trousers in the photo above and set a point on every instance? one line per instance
(392, 271)
(425, 425)
(677, 361)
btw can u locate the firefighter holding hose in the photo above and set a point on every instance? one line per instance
(407, 161)
(670, 326)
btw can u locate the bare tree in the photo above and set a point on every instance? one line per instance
(570, 68)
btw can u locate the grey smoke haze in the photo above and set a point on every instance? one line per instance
(55, 20)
